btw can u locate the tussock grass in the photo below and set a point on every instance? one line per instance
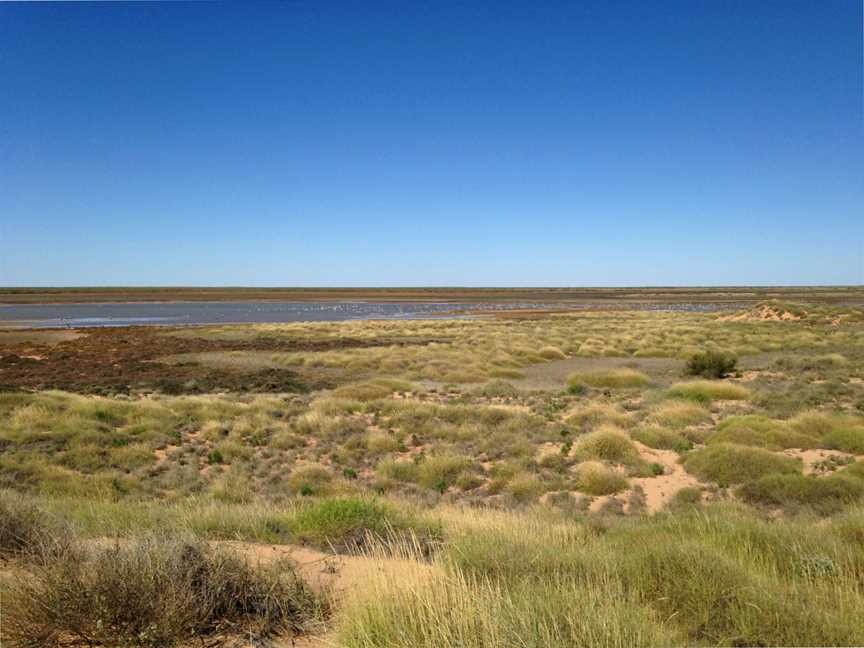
(595, 414)
(705, 391)
(760, 431)
(607, 443)
(594, 478)
(679, 414)
(715, 576)
(612, 378)
(728, 464)
(663, 439)
(823, 495)
(552, 353)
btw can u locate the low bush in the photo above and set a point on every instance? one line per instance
(711, 364)
(155, 591)
(728, 464)
(26, 530)
(848, 439)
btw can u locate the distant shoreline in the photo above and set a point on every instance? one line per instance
(695, 295)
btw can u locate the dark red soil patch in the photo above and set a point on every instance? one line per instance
(120, 360)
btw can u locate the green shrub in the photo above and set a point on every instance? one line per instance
(825, 495)
(347, 522)
(662, 439)
(848, 439)
(711, 364)
(728, 464)
(755, 430)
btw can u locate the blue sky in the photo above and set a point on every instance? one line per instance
(364, 144)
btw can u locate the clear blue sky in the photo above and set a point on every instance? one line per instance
(357, 143)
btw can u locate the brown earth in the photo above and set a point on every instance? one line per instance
(824, 294)
(120, 360)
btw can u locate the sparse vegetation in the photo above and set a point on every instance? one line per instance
(493, 506)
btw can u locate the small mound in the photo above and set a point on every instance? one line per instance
(766, 312)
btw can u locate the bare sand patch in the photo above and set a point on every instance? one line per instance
(811, 458)
(662, 488)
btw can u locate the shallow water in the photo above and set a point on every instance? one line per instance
(180, 313)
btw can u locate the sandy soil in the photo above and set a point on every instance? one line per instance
(659, 490)
(811, 458)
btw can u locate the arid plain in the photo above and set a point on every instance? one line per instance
(612, 476)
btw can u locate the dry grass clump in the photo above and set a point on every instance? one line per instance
(552, 353)
(662, 439)
(705, 391)
(607, 443)
(155, 590)
(759, 431)
(595, 414)
(594, 478)
(309, 479)
(612, 378)
(679, 413)
(728, 464)
(497, 389)
(372, 390)
(435, 472)
(27, 530)
(525, 487)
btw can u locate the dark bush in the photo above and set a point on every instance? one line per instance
(711, 364)
(156, 591)
(28, 532)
